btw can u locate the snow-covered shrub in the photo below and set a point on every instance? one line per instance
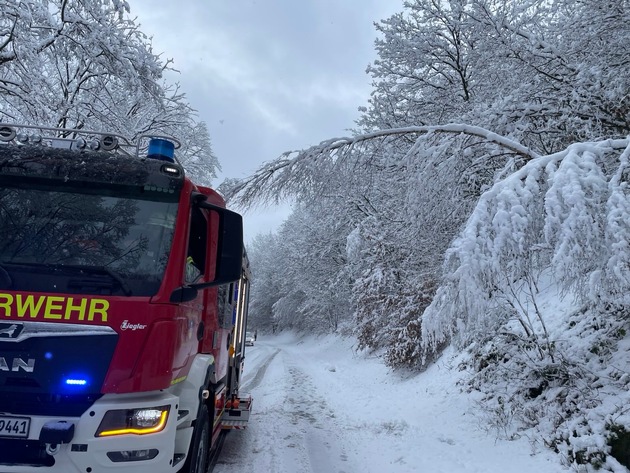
(561, 218)
(577, 405)
(390, 292)
(536, 289)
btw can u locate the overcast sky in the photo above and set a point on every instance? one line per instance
(268, 76)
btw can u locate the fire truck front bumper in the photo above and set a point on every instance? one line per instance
(123, 433)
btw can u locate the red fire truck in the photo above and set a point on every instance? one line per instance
(123, 306)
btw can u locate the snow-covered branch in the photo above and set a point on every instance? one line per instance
(287, 174)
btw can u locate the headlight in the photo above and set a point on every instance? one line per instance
(133, 421)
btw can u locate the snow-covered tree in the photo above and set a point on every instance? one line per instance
(481, 224)
(544, 73)
(315, 292)
(540, 75)
(426, 54)
(265, 288)
(85, 64)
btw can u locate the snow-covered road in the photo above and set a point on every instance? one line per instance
(321, 407)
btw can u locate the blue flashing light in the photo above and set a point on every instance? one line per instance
(161, 149)
(48, 355)
(76, 382)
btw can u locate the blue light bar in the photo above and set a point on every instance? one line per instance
(76, 382)
(161, 149)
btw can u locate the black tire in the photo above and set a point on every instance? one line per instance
(199, 452)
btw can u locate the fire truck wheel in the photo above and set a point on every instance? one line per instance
(199, 454)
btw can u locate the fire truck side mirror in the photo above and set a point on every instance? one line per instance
(230, 247)
(229, 254)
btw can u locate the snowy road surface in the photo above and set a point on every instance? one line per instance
(321, 407)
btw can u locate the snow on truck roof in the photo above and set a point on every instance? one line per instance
(35, 157)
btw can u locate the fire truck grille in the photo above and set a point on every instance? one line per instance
(34, 404)
(54, 375)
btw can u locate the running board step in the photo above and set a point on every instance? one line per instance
(236, 414)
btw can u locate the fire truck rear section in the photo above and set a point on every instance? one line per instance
(123, 306)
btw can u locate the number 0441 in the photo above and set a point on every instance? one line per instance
(14, 426)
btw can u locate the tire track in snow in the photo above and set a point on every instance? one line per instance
(260, 374)
(316, 435)
(292, 429)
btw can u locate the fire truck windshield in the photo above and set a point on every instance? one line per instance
(55, 239)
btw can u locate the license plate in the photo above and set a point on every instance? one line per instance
(16, 427)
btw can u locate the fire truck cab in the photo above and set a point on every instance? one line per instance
(123, 306)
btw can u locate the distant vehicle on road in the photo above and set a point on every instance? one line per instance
(249, 339)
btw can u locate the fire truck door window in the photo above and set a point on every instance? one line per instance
(226, 305)
(196, 260)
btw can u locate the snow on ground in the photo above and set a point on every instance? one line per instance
(319, 406)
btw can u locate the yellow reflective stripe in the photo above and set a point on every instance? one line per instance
(178, 380)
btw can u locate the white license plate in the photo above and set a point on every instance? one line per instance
(17, 427)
